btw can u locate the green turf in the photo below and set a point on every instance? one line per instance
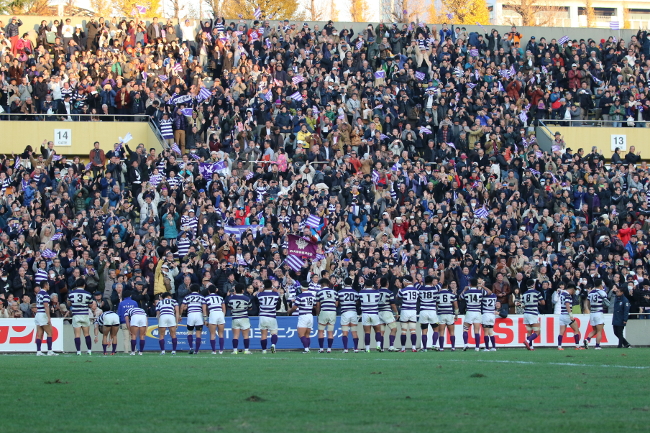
(506, 391)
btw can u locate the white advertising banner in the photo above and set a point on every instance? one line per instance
(19, 335)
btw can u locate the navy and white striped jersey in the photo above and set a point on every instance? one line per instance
(565, 297)
(409, 296)
(167, 307)
(214, 302)
(386, 298)
(369, 301)
(41, 275)
(100, 320)
(194, 302)
(489, 303)
(596, 297)
(135, 311)
(473, 297)
(239, 305)
(268, 303)
(327, 299)
(80, 300)
(305, 302)
(42, 298)
(428, 296)
(348, 300)
(531, 300)
(191, 222)
(183, 245)
(446, 301)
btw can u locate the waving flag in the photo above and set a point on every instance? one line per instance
(294, 262)
(425, 130)
(17, 163)
(458, 71)
(614, 25)
(375, 176)
(523, 117)
(359, 44)
(302, 247)
(481, 212)
(473, 52)
(419, 76)
(162, 77)
(177, 67)
(176, 149)
(57, 157)
(258, 13)
(187, 112)
(298, 79)
(313, 221)
(296, 97)
(204, 94)
(268, 96)
(544, 70)
(380, 74)
(239, 230)
(57, 236)
(512, 71)
(500, 86)
(563, 40)
(88, 166)
(48, 253)
(471, 85)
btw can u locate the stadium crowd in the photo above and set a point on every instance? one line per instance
(402, 150)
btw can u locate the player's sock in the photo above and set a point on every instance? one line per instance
(247, 342)
(235, 343)
(391, 341)
(190, 340)
(330, 342)
(274, 339)
(302, 340)
(425, 337)
(345, 342)
(132, 345)
(161, 343)
(263, 342)
(213, 344)
(465, 337)
(221, 343)
(378, 339)
(104, 346)
(321, 342)
(142, 342)
(174, 344)
(588, 339)
(402, 340)
(356, 343)
(38, 344)
(532, 337)
(576, 338)
(441, 341)
(477, 338)
(486, 340)
(114, 348)
(493, 341)
(308, 342)
(77, 343)
(414, 340)
(559, 341)
(597, 344)
(89, 342)
(49, 343)
(366, 339)
(434, 338)
(198, 344)
(453, 341)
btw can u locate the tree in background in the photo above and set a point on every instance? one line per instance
(460, 12)
(334, 12)
(533, 12)
(358, 10)
(271, 9)
(626, 24)
(591, 13)
(406, 11)
(102, 8)
(315, 11)
(128, 8)
(25, 7)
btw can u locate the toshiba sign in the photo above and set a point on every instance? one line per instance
(18, 335)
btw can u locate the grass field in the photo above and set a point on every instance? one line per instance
(506, 391)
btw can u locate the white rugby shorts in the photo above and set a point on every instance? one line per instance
(327, 318)
(408, 316)
(80, 321)
(306, 321)
(195, 319)
(472, 317)
(370, 319)
(111, 320)
(596, 319)
(167, 321)
(446, 319)
(429, 317)
(488, 319)
(386, 317)
(531, 319)
(269, 323)
(349, 318)
(565, 320)
(40, 319)
(243, 323)
(138, 321)
(216, 318)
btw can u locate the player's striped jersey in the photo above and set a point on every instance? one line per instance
(531, 300)
(268, 303)
(386, 298)
(327, 299)
(409, 296)
(596, 297)
(80, 300)
(135, 311)
(41, 299)
(194, 302)
(428, 296)
(239, 305)
(100, 320)
(167, 307)
(565, 297)
(489, 303)
(473, 298)
(305, 302)
(369, 301)
(348, 300)
(214, 302)
(446, 301)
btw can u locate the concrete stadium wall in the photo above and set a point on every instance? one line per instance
(33, 23)
(637, 332)
(603, 138)
(17, 134)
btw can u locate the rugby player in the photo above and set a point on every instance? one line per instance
(304, 304)
(194, 304)
(566, 317)
(169, 316)
(369, 299)
(348, 299)
(387, 313)
(136, 321)
(108, 323)
(531, 299)
(326, 303)
(428, 294)
(239, 305)
(216, 319)
(269, 301)
(473, 297)
(595, 300)
(408, 313)
(43, 321)
(447, 304)
(79, 301)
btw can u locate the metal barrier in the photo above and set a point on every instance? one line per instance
(592, 122)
